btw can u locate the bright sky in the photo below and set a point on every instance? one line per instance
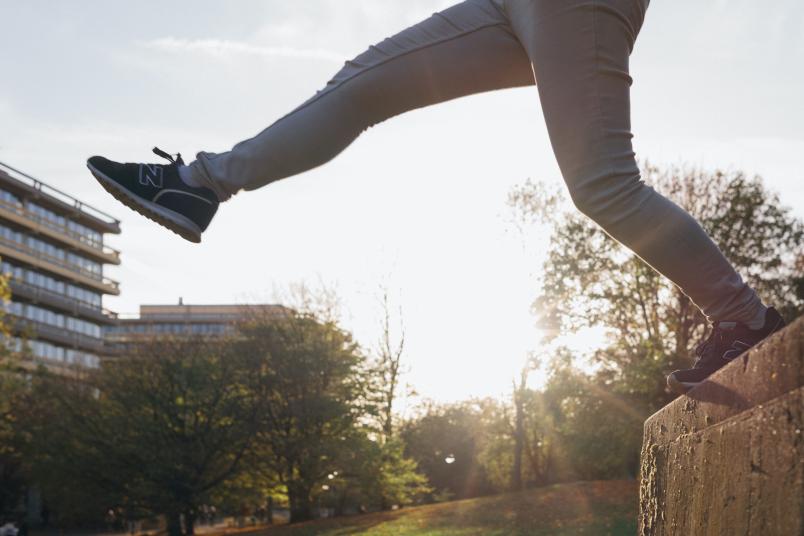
(417, 203)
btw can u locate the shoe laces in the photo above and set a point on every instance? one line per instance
(169, 157)
(713, 347)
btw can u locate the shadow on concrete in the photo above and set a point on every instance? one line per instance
(715, 393)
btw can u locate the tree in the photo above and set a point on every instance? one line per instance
(389, 367)
(12, 484)
(375, 475)
(590, 280)
(515, 451)
(519, 394)
(312, 378)
(156, 433)
(590, 431)
(446, 443)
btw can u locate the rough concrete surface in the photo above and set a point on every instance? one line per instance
(728, 457)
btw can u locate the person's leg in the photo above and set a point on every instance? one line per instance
(580, 53)
(466, 49)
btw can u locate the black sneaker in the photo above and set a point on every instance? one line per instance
(157, 192)
(727, 341)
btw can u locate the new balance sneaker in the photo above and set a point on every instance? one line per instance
(727, 341)
(157, 192)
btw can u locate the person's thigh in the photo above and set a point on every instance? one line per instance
(580, 51)
(466, 49)
(580, 54)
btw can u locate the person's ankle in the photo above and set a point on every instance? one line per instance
(186, 176)
(758, 322)
(193, 177)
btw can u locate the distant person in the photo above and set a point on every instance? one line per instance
(577, 52)
(9, 529)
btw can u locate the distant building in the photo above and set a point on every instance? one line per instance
(52, 247)
(182, 320)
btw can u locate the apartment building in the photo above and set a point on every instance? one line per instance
(181, 320)
(53, 248)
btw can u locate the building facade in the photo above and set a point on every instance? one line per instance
(53, 249)
(181, 320)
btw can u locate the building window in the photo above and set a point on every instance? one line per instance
(57, 354)
(51, 318)
(36, 279)
(85, 234)
(55, 253)
(173, 328)
(9, 198)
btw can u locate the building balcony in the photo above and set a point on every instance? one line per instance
(67, 304)
(42, 226)
(55, 334)
(11, 249)
(29, 187)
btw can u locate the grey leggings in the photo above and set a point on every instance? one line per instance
(578, 51)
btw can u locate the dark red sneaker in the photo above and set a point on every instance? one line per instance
(727, 341)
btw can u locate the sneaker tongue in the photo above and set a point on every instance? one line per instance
(728, 326)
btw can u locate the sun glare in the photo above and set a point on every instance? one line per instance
(583, 343)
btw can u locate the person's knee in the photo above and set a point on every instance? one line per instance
(605, 198)
(593, 200)
(584, 200)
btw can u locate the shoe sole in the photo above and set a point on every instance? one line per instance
(679, 387)
(169, 219)
(682, 388)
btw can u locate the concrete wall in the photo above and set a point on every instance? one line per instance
(728, 458)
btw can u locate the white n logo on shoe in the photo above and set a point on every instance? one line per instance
(151, 175)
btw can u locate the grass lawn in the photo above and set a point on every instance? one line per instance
(564, 509)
